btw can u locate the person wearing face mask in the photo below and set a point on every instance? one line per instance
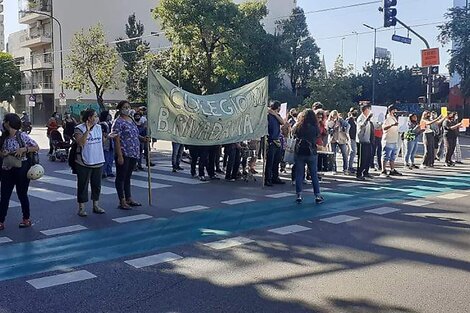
(15, 144)
(390, 142)
(451, 132)
(127, 152)
(411, 141)
(428, 138)
(51, 125)
(89, 161)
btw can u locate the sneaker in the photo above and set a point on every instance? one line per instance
(219, 171)
(458, 162)
(415, 166)
(360, 178)
(98, 210)
(151, 164)
(423, 167)
(299, 198)
(368, 176)
(25, 223)
(231, 180)
(82, 212)
(268, 184)
(319, 199)
(215, 177)
(174, 170)
(202, 178)
(394, 172)
(384, 174)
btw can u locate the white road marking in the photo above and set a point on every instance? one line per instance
(339, 219)
(228, 243)
(132, 218)
(451, 196)
(291, 229)
(14, 204)
(350, 185)
(418, 203)
(5, 240)
(61, 279)
(280, 195)
(49, 195)
(176, 179)
(190, 209)
(142, 184)
(72, 184)
(382, 210)
(63, 230)
(154, 259)
(238, 201)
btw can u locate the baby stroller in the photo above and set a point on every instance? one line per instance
(61, 148)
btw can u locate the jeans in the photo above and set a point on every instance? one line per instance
(428, 142)
(344, 152)
(364, 159)
(390, 151)
(376, 151)
(108, 162)
(123, 177)
(352, 156)
(86, 176)
(176, 154)
(300, 162)
(273, 159)
(411, 147)
(450, 143)
(11, 178)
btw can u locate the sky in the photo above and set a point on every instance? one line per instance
(356, 49)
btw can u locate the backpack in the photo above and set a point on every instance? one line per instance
(304, 147)
(72, 157)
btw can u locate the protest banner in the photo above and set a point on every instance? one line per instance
(179, 116)
(379, 113)
(402, 124)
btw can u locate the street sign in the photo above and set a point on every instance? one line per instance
(416, 71)
(62, 99)
(401, 39)
(430, 57)
(435, 70)
(32, 101)
(426, 79)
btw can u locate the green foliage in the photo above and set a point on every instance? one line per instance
(93, 63)
(457, 30)
(302, 60)
(217, 45)
(133, 55)
(10, 77)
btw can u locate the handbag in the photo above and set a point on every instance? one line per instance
(11, 161)
(32, 157)
(289, 154)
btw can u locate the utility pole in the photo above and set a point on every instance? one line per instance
(374, 65)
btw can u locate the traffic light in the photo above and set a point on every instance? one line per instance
(390, 13)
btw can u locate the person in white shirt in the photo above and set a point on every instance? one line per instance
(390, 142)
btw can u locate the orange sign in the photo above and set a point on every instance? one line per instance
(466, 123)
(430, 57)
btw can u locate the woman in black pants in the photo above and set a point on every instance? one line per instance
(127, 149)
(451, 132)
(428, 138)
(15, 144)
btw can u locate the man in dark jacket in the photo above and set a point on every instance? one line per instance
(273, 158)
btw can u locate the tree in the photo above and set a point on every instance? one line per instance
(10, 77)
(303, 59)
(217, 45)
(457, 30)
(336, 90)
(93, 63)
(133, 55)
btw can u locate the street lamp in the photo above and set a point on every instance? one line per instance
(357, 50)
(342, 48)
(374, 68)
(60, 43)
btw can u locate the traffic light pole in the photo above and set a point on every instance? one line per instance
(429, 85)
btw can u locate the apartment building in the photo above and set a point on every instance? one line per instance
(43, 34)
(2, 28)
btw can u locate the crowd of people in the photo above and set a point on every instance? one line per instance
(309, 140)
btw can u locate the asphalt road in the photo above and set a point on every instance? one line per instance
(387, 245)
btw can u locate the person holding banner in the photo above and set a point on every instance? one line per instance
(365, 135)
(390, 142)
(411, 141)
(127, 148)
(338, 130)
(306, 132)
(451, 132)
(273, 157)
(428, 138)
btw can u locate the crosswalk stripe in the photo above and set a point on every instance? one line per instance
(280, 195)
(238, 201)
(228, 243)
(61, 279)
(382, 210)
(291, 229)
(72, 184)
(49, 195)
(190, 209)
(418, 203)
(14, 204)
(63, 230)
(451, 196)
(339, 219)
(5, 240)
(176, 179)
(154, 259)
(133, 218)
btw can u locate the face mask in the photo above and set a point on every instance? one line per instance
(137, 119)
(125, 112)
(3, 127)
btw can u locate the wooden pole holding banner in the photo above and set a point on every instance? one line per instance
(149, 176)
(265, 143)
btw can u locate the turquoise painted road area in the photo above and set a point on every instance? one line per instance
(58, 253)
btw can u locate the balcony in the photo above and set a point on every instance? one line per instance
(41, 62)
(36, 40)
(31, 5)
(38, 88)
